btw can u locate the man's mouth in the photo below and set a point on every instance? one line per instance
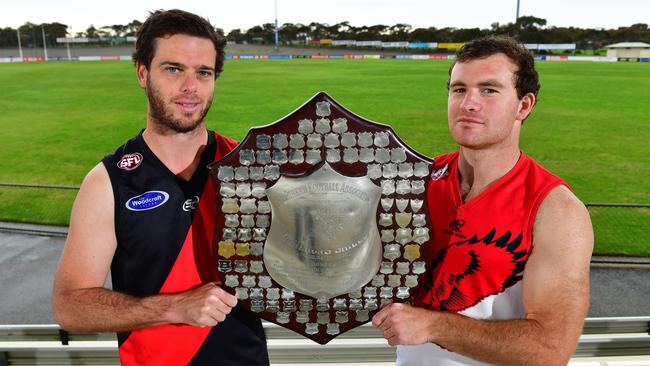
(469, 120)
(188, 107)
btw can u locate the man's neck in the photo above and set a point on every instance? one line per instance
(479, 169)
(179, 152)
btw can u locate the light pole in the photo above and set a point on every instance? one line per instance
(20, 46)
(67, 44)
(44, 43)
(517, 18)
(276, 25)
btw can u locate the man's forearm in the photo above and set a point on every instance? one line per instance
(502, 342)
(101, 310)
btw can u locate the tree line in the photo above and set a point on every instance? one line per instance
(31, 34)
(527, 29)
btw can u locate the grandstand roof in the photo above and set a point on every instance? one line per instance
(629, 45)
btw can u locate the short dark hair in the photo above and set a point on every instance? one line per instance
(526, 77)
(162, 23)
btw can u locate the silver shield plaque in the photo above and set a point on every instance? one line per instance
(321, 220)
(324, 241)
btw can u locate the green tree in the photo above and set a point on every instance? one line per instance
(132, 28)
(30, 35)
(398, 33)
(528, 29)
(92, 32)
(318, 31)
(423, 35)
(54, 31)
(467, 34)
(8, 37)
(288, 32)
(445, 35)
(255, 35)
(236, 36)
(116, 30)
(371, 33)
(344, 30)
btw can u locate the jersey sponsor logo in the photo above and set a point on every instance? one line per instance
(191, 204)
(440, 173)
(130, 161)
(147, 201)
(470, 270)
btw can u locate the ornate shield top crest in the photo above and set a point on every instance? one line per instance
(321, 219)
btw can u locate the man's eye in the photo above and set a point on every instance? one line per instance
(458, 90)
(173, 69)
(490, 91)
(205, 73)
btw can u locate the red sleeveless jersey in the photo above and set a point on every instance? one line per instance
(480, 249)
(481, 246)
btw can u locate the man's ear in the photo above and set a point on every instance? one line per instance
(526, 105)
(142, 73)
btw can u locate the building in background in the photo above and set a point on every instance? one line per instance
(637, 51)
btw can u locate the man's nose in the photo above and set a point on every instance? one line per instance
(470, 102)
(190, 84)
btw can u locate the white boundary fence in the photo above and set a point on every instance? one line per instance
(602, 338)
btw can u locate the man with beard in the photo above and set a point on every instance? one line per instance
(509, 284)
(147, 212)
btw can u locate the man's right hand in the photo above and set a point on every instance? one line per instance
(206, 305)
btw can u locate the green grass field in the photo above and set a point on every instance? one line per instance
(591, 125)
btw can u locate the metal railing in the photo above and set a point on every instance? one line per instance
(49, 344)
(621, 226)
(46, 186)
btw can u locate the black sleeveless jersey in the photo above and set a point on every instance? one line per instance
(164, 227)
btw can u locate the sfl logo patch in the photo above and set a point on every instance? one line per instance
(130, 161)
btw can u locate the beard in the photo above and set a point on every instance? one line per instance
(164, 118)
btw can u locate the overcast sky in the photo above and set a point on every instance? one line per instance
(231, 14)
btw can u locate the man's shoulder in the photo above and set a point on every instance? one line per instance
(562, 210)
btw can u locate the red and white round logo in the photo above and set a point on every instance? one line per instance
(130, 161)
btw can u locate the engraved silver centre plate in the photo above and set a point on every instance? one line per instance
(323, 240)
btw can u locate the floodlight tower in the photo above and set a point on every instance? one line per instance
(276, 24)
(44, 43)
(20, 46)
(517, 18)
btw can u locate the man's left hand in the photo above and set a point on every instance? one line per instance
(403, 324)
